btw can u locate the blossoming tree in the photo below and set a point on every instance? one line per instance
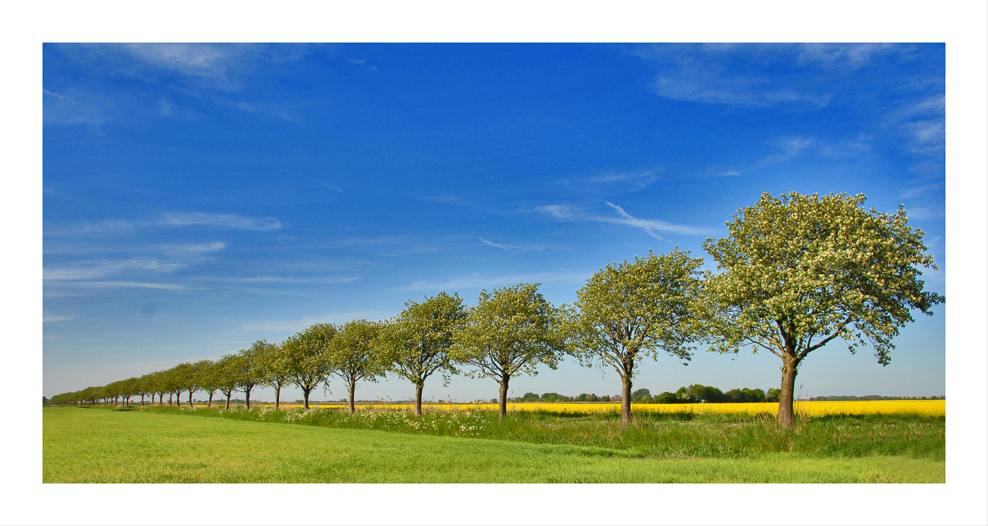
(801, 271)
(630, 311)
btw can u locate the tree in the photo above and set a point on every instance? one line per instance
(416, 343)
(641, 395)
(226, 376)
(173, 382)
(144, 387)
(248, 370)
(273, 371)
(509, 332)
(207, 378)
(304, 357)
(667, 398)
(352, 357)
(801, 271)
(630, 311)
(187, 378)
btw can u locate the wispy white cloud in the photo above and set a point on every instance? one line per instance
(924, 212)
(223, 221)
(201, 60)
(125, 284)
(631, 181)
(79, 108)
(53, 319)
(791, 147)
(495, 245)
(560, 211)
(738, 74)
(289, 280)
(926, 135)
(298, 325)
(650, 226)
(171, 219)
(844, 55)
(919, 191)
(707, 85)
(91, 270)
(331, 187)
(478, 280)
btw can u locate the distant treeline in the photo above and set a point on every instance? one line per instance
(872, 397)
(693, 394)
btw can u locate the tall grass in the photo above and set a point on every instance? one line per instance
(678, 435)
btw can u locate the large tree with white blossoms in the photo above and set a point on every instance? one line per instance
(802, 270)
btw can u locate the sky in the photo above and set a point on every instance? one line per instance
(200, 197)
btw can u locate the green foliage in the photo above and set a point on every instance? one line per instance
(631, 310)
(352, 354)
(510, 331)
(641, 395)
(416, 343)
(802, 270)
(304, 357)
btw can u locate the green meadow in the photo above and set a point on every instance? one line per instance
(164, 445)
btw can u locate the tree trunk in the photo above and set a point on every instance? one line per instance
(210, 403)
(190, 399)
(418, 400)
(247, 392)
(502, 406)
(142, 400)
(626, 401)
(353, 387)
(277, 397)
(178, 399)
(786, 416)
(228, 400)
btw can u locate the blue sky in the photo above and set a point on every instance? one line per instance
(200, 197)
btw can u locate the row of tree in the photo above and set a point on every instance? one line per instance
(793, 274)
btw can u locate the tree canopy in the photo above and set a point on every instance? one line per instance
(304, 357)
(352, 355)
(629, 311)
(416, 343)
(802, 270)
(510, 331)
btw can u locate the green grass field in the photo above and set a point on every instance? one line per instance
(97, 445)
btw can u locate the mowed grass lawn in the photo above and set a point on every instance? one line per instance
(91, 445)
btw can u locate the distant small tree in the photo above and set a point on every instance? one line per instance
(667, 398)
(352, 355)
(641, 394)
(529, 398)
(509, 332)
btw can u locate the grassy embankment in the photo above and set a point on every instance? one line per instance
(162, 445)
